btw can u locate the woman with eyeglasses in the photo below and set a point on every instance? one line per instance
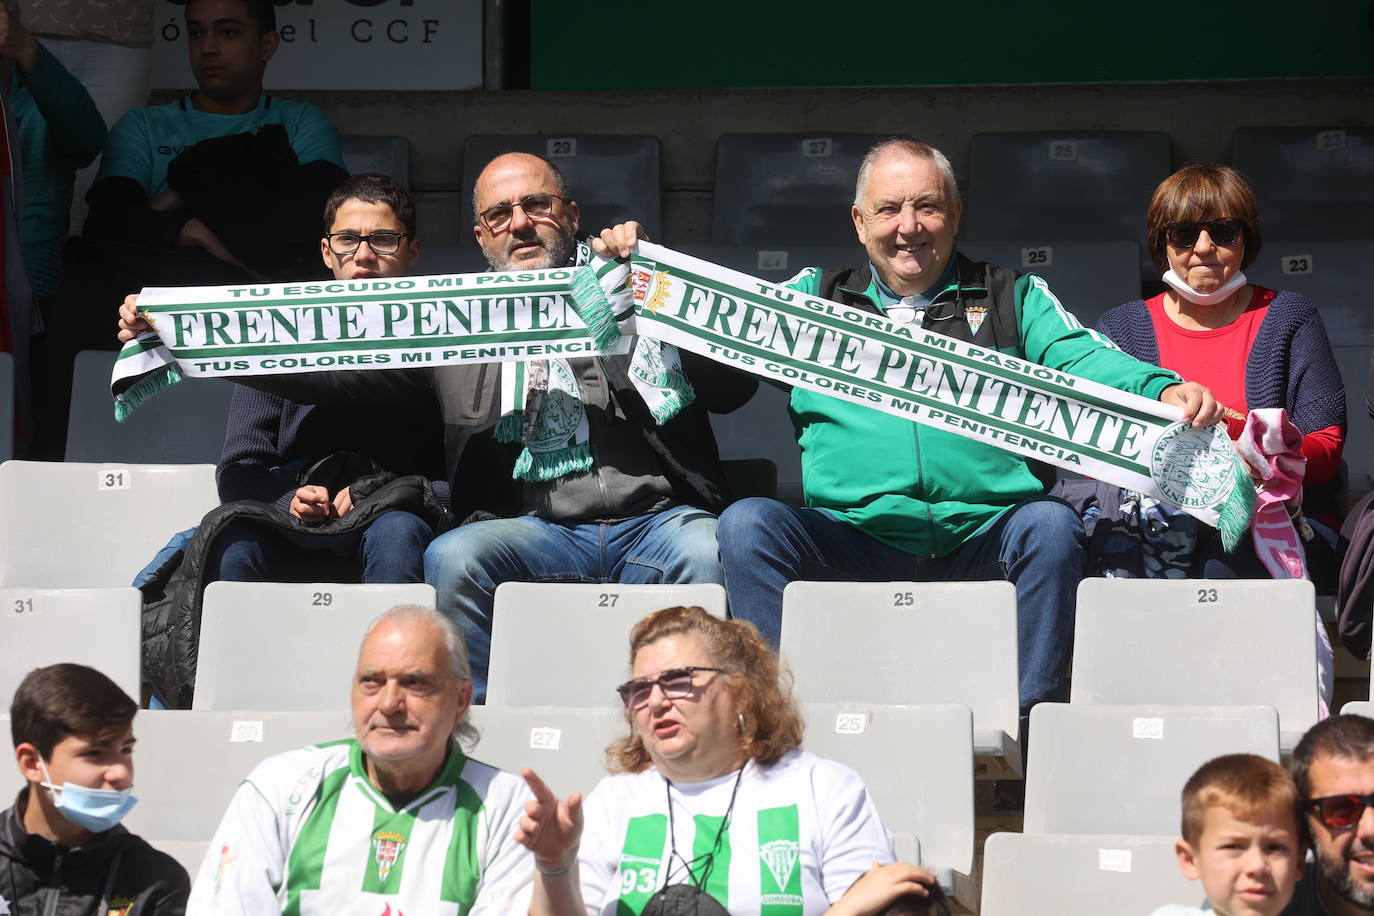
(713, 808)
(1253, 347)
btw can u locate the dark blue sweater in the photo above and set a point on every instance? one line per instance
(1290, 365)
(270, 440)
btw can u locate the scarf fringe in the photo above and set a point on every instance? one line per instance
(677, 395)
(137, 394)
(592, 306)
(510, 428)
(550, 465)
(1238, 509)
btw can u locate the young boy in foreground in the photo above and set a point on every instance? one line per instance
(1241, 837)
(61, 847)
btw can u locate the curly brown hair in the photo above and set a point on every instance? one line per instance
(1195, 194)
(758, 682)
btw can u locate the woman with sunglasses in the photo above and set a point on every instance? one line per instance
(1253, 347)
(713, 807)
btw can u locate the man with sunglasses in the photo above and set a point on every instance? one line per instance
(1333, 766)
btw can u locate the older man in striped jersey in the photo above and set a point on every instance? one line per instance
(397, 820)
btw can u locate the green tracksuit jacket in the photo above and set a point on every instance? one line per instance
(925, 490)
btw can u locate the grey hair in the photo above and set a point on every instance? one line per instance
(560, 181)
(913, 148)
(465, 733)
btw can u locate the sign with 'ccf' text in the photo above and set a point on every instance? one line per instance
(348, 44)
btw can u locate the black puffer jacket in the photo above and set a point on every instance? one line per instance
(172, 594)
(118, 873)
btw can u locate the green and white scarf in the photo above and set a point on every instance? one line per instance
(541, 402)
(673, 300)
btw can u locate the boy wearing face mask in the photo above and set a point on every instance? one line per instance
(62, 851)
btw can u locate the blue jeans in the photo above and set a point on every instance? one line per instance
(466, 564)
(1037, 545)
(391, 550)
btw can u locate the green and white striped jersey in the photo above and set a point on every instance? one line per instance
(802, 831)
(308, 834)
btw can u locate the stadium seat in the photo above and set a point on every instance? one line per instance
(917, 762)
(1214, 641)
(1087, 278)
(1359, 708)
(762, 428)
(1063, 185)
(184, 424)
(74, 525)
(389, 156)
(1309, 182)
(566, 746)
(188, 763)
(907, 643)
(1120, 769)
(1082, 875)
(98, 627)
(612, 177)
(781, 263)
(6, 406)
(1336, 276)
(307, 672)
(776, 190)
(568, 643)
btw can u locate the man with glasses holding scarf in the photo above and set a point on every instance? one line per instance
(629, 499)
(1333, 766)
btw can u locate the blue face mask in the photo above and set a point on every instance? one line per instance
(96, 810)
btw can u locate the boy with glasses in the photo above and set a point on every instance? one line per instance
(1241, 837)
(1333, 766)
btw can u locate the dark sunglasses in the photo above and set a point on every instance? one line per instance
(1220, 231)
(1339, 812)
(675, 683)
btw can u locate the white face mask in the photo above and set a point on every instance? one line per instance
(1178, 285)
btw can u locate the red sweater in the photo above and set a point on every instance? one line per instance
(1217, 358)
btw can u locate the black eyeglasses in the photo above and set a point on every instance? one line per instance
(675, 683)
(1220, 231)
(1339, 812)
(535, 206)
(379, 242)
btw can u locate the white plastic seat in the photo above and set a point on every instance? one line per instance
(73, 525)
(565, 745)
(1359, 708)
(1120, 769)
(910, 643)
(1212, 641)
(282, 646)
(6, 406)
(96, 627)
(187, 763)
(917, 762)
(389, 156)
(1078, 875)
(184, 424)
(569, 643)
